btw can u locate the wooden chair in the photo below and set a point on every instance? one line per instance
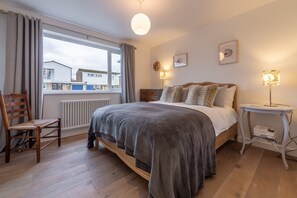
(15, 108)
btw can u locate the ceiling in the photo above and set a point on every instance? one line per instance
(170, 19)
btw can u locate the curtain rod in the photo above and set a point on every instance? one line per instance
(83, 34)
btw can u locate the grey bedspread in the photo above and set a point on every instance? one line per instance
(175, 144)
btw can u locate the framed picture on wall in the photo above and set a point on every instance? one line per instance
(228, 52)
(180, 60)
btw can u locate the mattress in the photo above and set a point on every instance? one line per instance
(222, 118)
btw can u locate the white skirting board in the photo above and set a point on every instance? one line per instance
(73, 132)
(267, 145)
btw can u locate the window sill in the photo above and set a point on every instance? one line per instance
(79, 92)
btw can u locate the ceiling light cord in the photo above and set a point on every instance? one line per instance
(140, 3)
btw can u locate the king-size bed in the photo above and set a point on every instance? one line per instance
(170, 144)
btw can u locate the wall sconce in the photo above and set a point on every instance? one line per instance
(271, 77)
(163, 76)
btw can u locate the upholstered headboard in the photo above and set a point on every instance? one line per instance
(220, 84)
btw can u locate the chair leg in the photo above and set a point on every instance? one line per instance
(38, 133)
(7, 147)
(59, 132)
(30, 139)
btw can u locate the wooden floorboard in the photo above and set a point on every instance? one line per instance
(288, 181)
(227, 157)
(74, 171)
(269, 168)
(238, 181)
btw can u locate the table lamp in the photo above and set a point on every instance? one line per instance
(163, 76)
(271, 77)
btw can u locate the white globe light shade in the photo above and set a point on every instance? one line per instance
(140, 24)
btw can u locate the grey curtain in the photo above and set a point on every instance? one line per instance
(24, 59)
(2, 71)
(128, 73)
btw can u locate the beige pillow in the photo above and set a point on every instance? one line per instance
(193, 95)
(207, 95)
(202, 95)
(171, 94)
(220, 97)
(184, 94)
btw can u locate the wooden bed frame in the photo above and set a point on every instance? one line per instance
(130, 161)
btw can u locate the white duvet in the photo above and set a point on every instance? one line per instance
(222, 118)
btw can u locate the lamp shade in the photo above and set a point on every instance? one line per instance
(140, 24)
(163, 75)
(271, 77)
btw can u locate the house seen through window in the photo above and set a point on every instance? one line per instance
(79, 66)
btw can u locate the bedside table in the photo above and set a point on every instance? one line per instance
(283, 111)
(147, 95)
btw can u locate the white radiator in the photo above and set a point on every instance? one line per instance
(77, 113)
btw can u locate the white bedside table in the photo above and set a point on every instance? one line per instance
(283, 111)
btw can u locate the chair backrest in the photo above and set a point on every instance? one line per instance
(15, 106)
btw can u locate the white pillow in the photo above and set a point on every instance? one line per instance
(220, 97)
(229, 97)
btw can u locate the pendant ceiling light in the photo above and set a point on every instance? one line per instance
(140, 23)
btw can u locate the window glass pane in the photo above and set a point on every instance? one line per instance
(73, 66)
(115, 71)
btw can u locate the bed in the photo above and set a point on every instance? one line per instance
(186, 189)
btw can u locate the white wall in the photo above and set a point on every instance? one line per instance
(142, 69)
(267, 40)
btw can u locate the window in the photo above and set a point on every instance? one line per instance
(57, 86)
(79, 64)
(48, 74)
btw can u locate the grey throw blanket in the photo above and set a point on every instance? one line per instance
(175, 144)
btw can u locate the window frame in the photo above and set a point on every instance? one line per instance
(64, 35)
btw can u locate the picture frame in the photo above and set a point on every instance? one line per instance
(228, 52)
(180, 60)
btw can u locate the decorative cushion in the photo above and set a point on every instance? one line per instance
(184, 94)
(229, 97)
(207, 95)
(193, 95)
(220, 97)
(202, 95)
(171, 94)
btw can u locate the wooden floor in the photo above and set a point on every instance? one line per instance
(74, 171)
